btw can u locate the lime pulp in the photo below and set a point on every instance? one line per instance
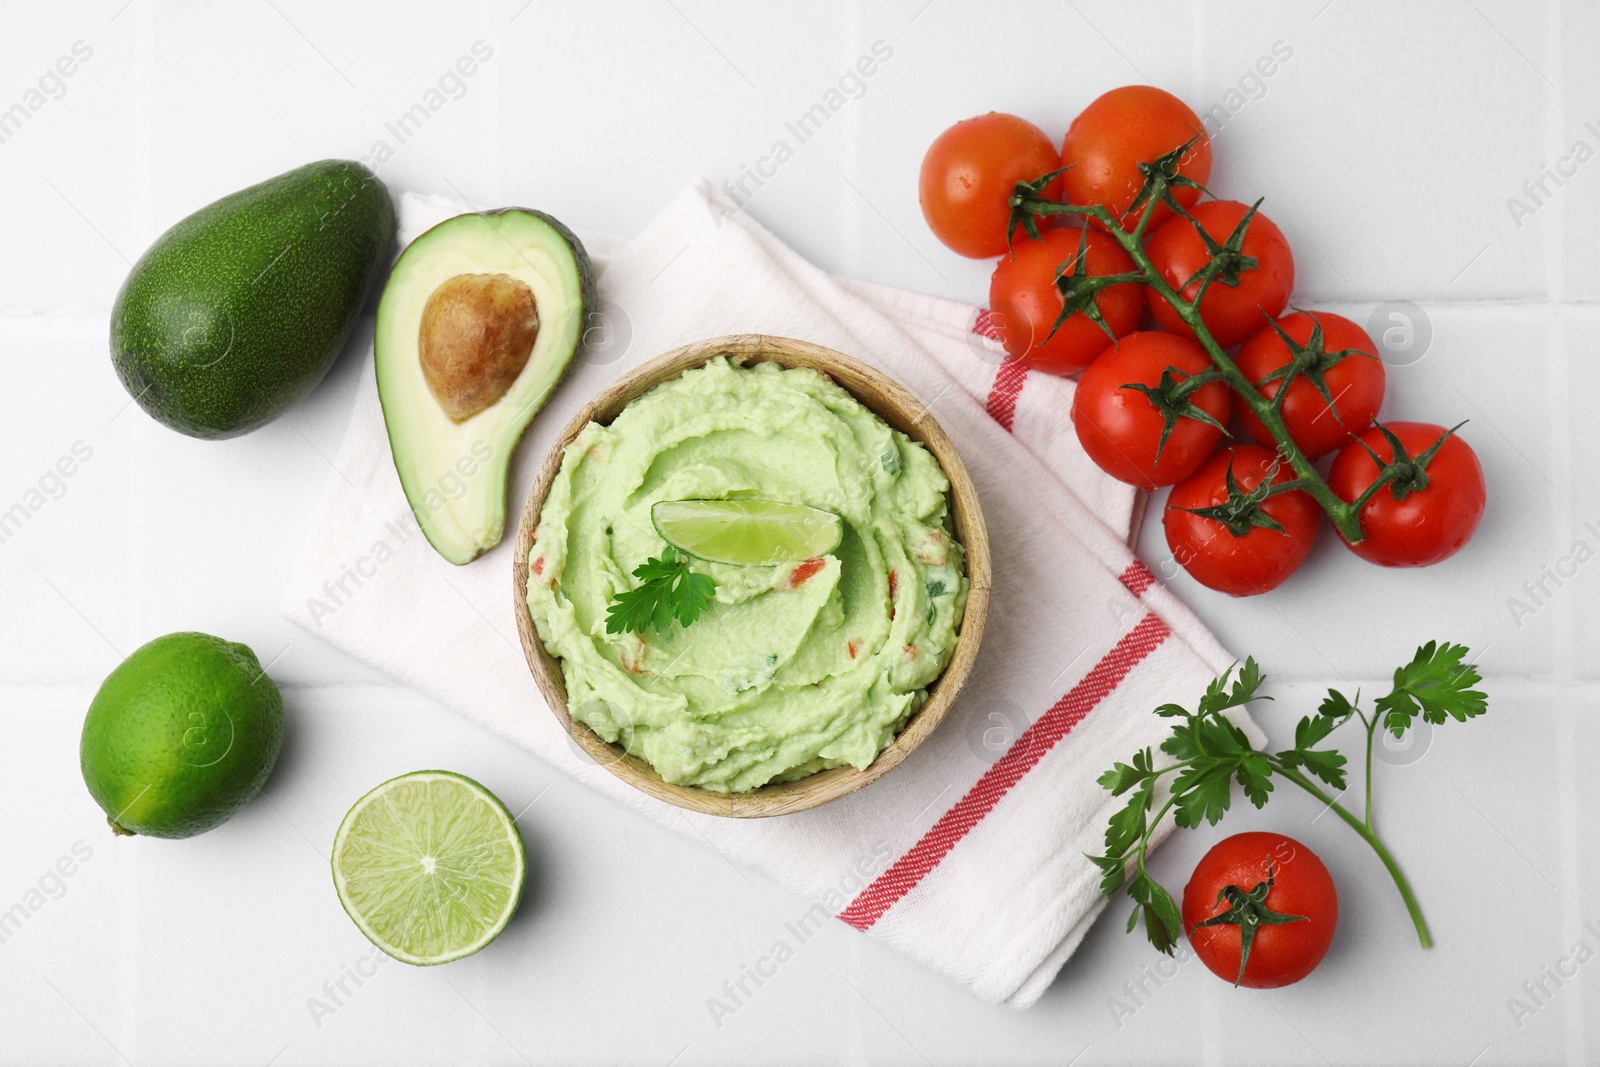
(429, 866)
(747, 533)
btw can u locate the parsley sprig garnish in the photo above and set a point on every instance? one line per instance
(1209, 753)
(668, 590)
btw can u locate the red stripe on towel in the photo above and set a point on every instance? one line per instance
(983, 325)
(909, 870)
(1009, 378)
(1137, 578)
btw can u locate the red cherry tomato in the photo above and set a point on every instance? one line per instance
(1261, 558)
(1230, 313)
(1025, 302)
(1121, 129)
(1355, 382)
(1420, 527)
(1281, 952)
(1120, 428)
(968, 174)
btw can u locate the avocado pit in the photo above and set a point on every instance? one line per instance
(476, 335)
(481, 317)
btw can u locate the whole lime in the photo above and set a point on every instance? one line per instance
(180, 736)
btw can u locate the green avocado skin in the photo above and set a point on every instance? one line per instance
(239, 310)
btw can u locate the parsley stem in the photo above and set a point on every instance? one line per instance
(1368, 811)
(1371, 838)
(1150, 828)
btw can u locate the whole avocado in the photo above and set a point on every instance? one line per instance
(240, 309)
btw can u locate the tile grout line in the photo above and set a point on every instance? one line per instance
(850, 147)
(490, 13)
(1569, 873)
(1559, 377)
(1559, 380)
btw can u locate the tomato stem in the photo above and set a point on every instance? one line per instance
(1371, 838)
(1345, 516)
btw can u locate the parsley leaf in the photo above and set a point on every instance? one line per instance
(1255, 778)
(1122, 777)
(1328, 766)
(1435, 684)
(669, 590)
(1219, 697)
(1336, 706)
(1202, 792)
(1311, 731)
(1127, 826)
(1162, 922)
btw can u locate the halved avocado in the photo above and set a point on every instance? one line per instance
(480, 318)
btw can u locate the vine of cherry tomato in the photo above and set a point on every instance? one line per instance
(968, 174)
(1406, 525)
(1241, 517)
(1355, 383)
(1024, 302)
(1261, 557)
(1121, 430)
(1231, 312)
(1121, 129)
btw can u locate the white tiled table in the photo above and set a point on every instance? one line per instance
(1388, 146)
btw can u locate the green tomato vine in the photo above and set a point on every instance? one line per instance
(1403, 474)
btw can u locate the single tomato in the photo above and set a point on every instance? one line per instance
(1355, 381)
(1024, 302)
(1120, 428)
(1118, 131)
(1230, 312)
(1260, 910)
(968, 175)
(1429, 512)
(1234, 554)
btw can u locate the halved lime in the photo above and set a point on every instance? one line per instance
(430, 866)
(748, 533)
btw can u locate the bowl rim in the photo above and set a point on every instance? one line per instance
(887, 399)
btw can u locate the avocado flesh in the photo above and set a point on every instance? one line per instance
(240, 309)
(454, 472)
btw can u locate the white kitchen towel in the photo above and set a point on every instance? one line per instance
(969, 856)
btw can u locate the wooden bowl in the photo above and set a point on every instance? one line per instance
(891, 402)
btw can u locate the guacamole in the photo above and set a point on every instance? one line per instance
(793, 668)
